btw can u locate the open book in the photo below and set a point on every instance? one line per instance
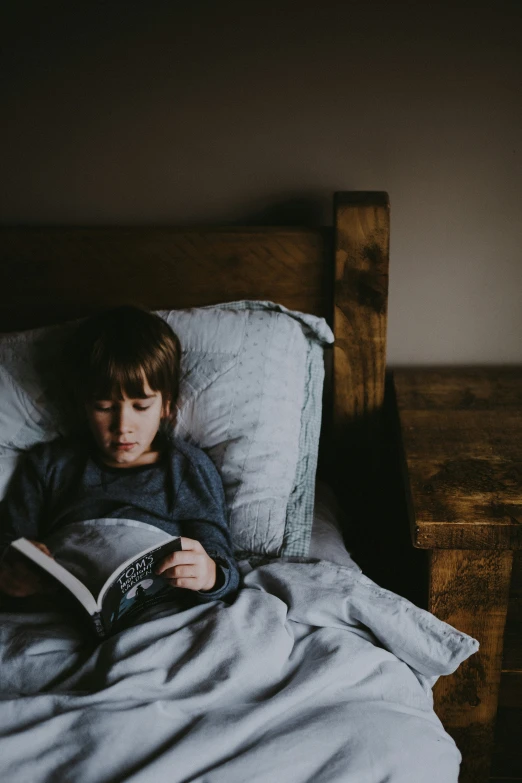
(93, 561)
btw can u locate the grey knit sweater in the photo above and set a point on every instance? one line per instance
(65, 481)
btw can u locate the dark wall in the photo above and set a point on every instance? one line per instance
(134, 112)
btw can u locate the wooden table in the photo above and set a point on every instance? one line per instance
(461, 432)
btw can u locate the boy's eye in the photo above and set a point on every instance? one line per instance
(100, 406)
(109, 406)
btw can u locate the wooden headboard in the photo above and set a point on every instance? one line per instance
(50, 274)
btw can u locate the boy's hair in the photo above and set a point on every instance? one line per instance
(113, 352)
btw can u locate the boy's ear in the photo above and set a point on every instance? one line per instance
(169, 411)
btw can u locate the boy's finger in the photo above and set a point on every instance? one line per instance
(188, 582)
(191, 544)
(178, 571)
(174, 559)
(42, 547)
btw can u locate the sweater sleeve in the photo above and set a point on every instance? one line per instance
(22, 508)
(206, 522)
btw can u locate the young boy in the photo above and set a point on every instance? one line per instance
(124, 462)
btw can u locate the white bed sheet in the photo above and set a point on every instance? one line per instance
(313, 675)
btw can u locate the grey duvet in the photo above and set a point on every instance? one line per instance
(313, 674)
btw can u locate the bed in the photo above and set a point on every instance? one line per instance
(315, 672)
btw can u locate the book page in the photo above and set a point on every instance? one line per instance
(93, 550)
(54, 568)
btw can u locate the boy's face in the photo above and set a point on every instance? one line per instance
(124, 429)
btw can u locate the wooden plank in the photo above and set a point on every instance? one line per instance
(469, 589)
(512, 661)
(51, 274)
(459, 388)
(360, 304)
(466, 503)
(361, 244)
(476, 434)
(462, 444)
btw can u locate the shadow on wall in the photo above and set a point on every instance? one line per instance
(297, 211)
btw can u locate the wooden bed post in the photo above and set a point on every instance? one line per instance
(361, 245)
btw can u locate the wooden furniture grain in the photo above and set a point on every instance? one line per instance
(462, 444)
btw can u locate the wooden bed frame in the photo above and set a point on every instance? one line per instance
(52, 274)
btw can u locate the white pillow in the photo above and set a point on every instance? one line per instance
(250, 395)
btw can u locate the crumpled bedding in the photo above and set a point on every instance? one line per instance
(314, 674)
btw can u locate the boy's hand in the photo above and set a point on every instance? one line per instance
(191, 568)
(20, 579)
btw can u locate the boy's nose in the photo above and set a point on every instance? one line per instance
(122, 422)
